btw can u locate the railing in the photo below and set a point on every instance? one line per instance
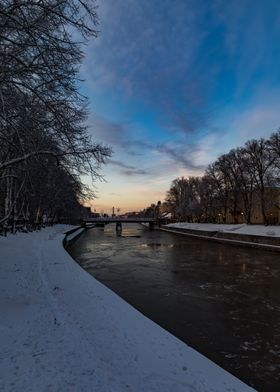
(118, 219)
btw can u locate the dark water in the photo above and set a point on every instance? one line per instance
(222, 300)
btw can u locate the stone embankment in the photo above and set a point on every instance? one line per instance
(256, 240)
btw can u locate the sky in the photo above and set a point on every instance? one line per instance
(173, 84)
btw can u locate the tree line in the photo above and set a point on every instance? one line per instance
(234, 184)
(45, 146)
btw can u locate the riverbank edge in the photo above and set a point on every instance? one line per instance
(74, 237)
(62, 330)
(251, 241)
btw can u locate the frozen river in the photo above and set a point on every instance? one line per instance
(222, 300)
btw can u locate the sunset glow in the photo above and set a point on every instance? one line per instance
(173, 85)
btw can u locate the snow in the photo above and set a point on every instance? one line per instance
(75, 233)
(62, 330)
(259, 230)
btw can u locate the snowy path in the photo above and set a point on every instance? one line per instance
(61, 330)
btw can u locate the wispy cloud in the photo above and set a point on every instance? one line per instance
(120, 164)
(108, 131)
(176, 83)
(182, 155)
(134, 172)
(260, 119)
(129, 169)
(134, 152)
(139, 55)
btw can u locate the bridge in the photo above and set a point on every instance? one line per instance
(119, 220)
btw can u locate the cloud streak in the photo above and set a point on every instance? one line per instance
(129, 169)
(134, 172)
(136, 56)
(187, 155)
(120, 164)
(174, 83)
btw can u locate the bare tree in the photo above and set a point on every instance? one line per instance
(232, 184)
(262, 162)
(42, 113)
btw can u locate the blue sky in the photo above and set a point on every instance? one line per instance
(175, 83)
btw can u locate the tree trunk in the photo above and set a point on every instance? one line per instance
(263, 207)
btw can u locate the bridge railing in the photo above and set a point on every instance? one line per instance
(119, 219)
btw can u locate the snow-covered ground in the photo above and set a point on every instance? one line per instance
(269, 231)
(75, 233)
(62, 330)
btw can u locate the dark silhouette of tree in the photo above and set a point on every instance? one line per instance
(42, 113)
(235, 182)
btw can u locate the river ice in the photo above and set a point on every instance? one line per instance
(62, 330)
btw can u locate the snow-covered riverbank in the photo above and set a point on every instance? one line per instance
(61, 330)
(253, 236)
(258, 230)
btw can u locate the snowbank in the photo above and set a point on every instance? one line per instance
(75, 234)
(260, 230)
(61, 330)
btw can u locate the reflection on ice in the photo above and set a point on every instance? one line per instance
(222, 300)
(156, 245)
